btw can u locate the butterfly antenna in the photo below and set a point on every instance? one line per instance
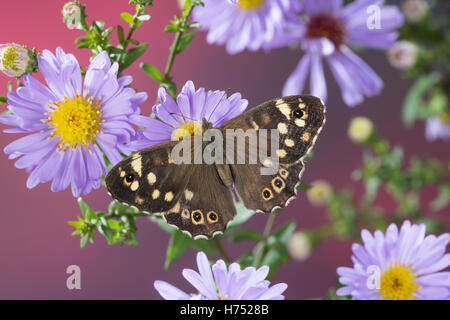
(217, 104)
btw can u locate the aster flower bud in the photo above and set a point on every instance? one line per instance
(299, 246)
(415, 10)
(16, 60)
(403, 55)
(320, 193)
(72, 12)
(360, 129)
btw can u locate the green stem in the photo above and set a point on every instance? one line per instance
(221, 249)
(174, 46)
(261, 246)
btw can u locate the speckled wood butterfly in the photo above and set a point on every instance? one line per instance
(199, 199)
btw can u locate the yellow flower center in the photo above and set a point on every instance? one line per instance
(187, 129)
(250, 4)
(75, 121)
(397, 283)
(9, 59)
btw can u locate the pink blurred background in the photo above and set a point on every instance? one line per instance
(36, 245)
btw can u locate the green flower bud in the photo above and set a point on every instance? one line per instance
(16, 60)
(320, 193)
(360, 129)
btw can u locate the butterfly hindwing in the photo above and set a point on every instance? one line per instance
(298, 121)
(205, 206)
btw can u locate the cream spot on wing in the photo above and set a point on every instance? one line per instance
(188, 194)
(255, 125)
(281, 153)
(267, 163)
(139, 200)
(155, 194)
(285, 109)
(289, 143)
(282, 127)
(136, 164)
(306, 136)
(283, 173)
(168, 196)
(151, 178)
(122, 174)
(302, 105)
(169, 158)
(134, 186)
(175, 208)
(185, 214)
(300, 123)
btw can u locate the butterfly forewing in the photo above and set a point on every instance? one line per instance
(298, 121)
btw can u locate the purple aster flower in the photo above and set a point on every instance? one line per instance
(184, 117)
(398, 265)
(249, 24)
(224, 283)
(70, 124)
(438, 128)
(329, 29)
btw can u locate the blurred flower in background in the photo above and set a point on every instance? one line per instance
(415, 10)
(70, 124)
(360, 129)
(224, 283)
(403, 55)
(184, 117)
(330, 29)
(438, 128)
(398, 265)
(16, 60)
(250, 24)
(299, 246)
(320, 193)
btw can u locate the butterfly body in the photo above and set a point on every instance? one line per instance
(199, 198)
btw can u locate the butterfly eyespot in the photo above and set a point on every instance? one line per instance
(212, 217)
(197, 217)
(267, 194)
(129, 178)
(298, 113)
(278, 183)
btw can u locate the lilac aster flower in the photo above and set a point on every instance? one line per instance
(224, 283)
(249, 24)
(329, 29)
(184, 117)
(438, 128)
(406, 265)
(71, 125)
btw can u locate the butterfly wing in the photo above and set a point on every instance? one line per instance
(205, 206)
(189, 196)
(148, 179)
(298, 121)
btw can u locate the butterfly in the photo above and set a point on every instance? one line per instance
(199, 199)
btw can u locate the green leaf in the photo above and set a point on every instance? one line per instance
(177, 246)
(132, 55)
(283, 234)
(242, 215)
(121, 35)
(144, 17)
(86, 210)
(246, 234)
(415, 96)
(184, 42)
(3, 100)
(152, 71)
(127, 17)
(443, 199)
(84, 239)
